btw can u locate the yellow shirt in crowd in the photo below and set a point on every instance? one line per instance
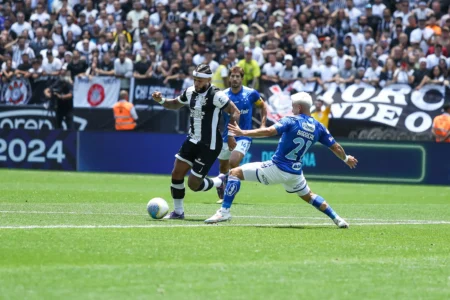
(322, 116)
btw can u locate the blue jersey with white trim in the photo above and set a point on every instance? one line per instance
(244, 101)
(298, 134)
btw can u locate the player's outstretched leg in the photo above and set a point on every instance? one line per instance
(320, 203)
(233, 187)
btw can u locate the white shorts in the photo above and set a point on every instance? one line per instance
(268, 173)
(242, 146)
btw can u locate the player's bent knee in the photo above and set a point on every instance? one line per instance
(237, 172)
(307, 197)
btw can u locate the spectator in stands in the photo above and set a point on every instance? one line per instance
(420, 73)
(7, 72)
(251, 68)
(404, 74)
(328, 72)
(271, 70)
(51, 65)
(18, 49)
(289, 72)
(220, 76)
(433, 59)
(309, 74)
(387, 73)
(346, 75)
(76, 66)
(372, 75)
(123, 69)
(23, 67)
(322, 111)
(435, 77)
(143, 67)
(106, 67)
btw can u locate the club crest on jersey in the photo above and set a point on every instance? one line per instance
(202, 99)
(308, 126)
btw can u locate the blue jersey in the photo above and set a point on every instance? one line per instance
(244, 101)
(299, 133)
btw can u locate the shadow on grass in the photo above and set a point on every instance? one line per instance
(300, 227)
(237, 203)
(178, 221)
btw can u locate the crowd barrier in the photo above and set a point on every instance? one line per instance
(134, 152)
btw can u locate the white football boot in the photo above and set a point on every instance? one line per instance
(341, 223)
(219, 216)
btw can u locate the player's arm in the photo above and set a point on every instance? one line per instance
(337, 149)
(255, 133)
(263, 105)
(233, 111)
(326, 139)
(167, 103)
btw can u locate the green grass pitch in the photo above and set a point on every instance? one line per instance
(88, 236)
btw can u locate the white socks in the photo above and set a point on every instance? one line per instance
(178, 206)
(217, 182)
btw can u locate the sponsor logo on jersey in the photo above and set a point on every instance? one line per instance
(244, 111)
(308, 127)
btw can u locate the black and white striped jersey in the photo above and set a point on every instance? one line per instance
(206, 111)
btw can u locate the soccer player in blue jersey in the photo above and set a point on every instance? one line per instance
(244, 98)
(298, 134)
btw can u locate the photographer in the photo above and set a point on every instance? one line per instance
(60, 94)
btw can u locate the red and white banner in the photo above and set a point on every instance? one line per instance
(96, 92)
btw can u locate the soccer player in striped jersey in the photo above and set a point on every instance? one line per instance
(204, 142)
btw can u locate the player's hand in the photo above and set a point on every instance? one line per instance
(231, 143)
(234, 129)
(351, 162)
(157, 96)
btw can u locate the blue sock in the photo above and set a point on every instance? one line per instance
(317, 201)
(233, 187)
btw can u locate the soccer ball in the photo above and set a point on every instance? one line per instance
(157, 208)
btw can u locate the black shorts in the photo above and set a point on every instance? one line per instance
(198, 156)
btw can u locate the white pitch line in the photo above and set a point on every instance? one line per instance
(209, 225)
(244, 217)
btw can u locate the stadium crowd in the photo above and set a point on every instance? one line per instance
(378, 42)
